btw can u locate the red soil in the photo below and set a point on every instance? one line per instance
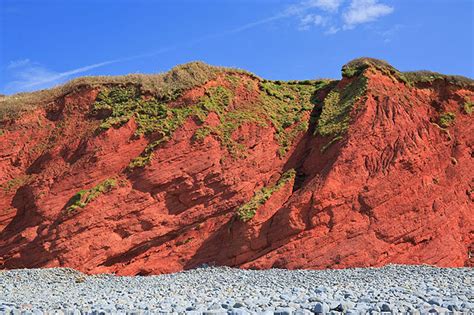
(397, 189)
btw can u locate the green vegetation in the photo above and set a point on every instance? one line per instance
(446, 119)
(217, 100)
(335, 115)
(147, 154)
(468, 107)
(330, 143)
(282, 104)
(161, 120)
(358, 66)
(423, 76)
(154, 117)
(184, 242)
(17, 182)
(83, 197)
(151, 116)
(247, 211)
(285, 104)
(164, 86)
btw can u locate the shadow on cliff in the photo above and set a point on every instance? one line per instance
(21, 252)
(235, 243)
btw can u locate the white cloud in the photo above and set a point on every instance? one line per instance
(363, 11)
(325, 14)
(310, 20)
(304, 6)
(390, 33)
(326, 5)
(27, 76)
(17, 63)
(30, 76)
(332, 30)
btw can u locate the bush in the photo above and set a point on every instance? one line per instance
(247, 211)
(85, 196)
(446, 119)
(468, 107)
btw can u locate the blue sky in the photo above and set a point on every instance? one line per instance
(44, 42)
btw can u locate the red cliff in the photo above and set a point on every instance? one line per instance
(156, 174)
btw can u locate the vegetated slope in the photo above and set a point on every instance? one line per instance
(155, 174)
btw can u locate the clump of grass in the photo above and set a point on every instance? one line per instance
(184, 242)
(202, 133)
(247, 211)
(468, 107)
(335, 116)
(17, 182)
(446, 119)
(150, 115)
(85, 196)
(147, 154)
(330, 143)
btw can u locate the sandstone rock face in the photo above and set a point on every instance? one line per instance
(394, 185)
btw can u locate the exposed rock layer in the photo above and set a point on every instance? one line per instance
(394, 187)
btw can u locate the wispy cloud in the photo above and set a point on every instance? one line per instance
(31, 75)
(304, 6)
(364, 11)
(390, 33)
(325, 14)
(28, 75)
(18, 63)
(311, 20)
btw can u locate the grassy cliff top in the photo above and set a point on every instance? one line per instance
(359, 65)
(164, 86)
(169, 85)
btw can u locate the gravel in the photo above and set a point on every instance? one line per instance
(391, 289)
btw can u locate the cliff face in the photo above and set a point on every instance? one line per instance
(230, 169)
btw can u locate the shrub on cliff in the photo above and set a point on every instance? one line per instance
(248, 210)
(446, 119)
(85, 196)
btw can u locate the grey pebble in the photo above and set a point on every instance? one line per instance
(392, 289)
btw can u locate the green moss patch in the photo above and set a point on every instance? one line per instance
(335, 116)
(468, 107)
(85, 196)
(446, 119)
(281, 105)
(247, 211)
